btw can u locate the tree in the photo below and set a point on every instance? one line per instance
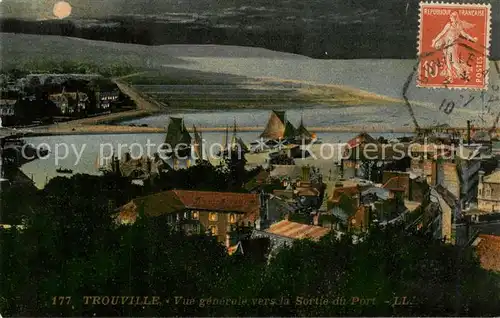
(234, 166)
(71, 247)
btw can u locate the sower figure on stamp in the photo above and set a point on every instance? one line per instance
(446, 40)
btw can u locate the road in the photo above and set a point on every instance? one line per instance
(143, 103)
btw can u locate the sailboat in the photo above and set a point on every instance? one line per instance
(303, 135)
(178, 139)
(235, 144)
(198, 152)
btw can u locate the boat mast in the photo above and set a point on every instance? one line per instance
(226, 141)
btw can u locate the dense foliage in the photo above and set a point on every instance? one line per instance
(70, 247)
(69, 67)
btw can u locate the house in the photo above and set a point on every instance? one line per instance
(105, 98)
(310, 189)
(424, 159)
(487, 248)
(7, 107)
(61, 101)
(303, 184)
(363, 156)
(81, 100)
(456, 169)
(415, 187)
(70, 102)
(219, 214)
(449, 211)
(399, 187)
(488, 195)
(464, 172)
(344, 205)
(360, 139)
(354, 206)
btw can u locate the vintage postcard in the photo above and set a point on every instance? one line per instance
(239, 158)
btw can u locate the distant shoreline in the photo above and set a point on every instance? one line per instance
(120, 130)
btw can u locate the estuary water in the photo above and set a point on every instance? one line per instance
(83, 150)
(385, 77)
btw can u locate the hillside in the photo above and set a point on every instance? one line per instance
(326, 29)
(21, 48)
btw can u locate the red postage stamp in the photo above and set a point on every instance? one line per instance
(453, 45)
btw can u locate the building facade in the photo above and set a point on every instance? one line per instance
(7, 107)
(105, 98)
(488, 195)
(220, 214)
(458, 172)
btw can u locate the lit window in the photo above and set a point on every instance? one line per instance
(213, 229)
(212, 217)
(185, 215)
(232, 218)
(196, 215)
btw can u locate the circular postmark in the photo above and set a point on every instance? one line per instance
(453, 77)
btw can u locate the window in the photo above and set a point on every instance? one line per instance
(232, 218)
(212, 216)
(213, 229)
(196, 215)
(185, 215)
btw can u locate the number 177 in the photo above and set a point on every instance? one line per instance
(61, 300)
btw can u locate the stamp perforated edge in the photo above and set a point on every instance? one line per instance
(487, 42)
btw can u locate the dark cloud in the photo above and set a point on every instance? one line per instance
(396, 18)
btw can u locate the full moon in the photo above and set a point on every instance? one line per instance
(62, 9)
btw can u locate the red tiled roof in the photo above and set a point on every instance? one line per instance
(177, 200)
(397, 183)
(246, 203)
(488, 250)
(297, 230)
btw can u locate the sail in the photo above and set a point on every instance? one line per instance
(177, 133)
(302, 131)
(275, 127)
(290, 131)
